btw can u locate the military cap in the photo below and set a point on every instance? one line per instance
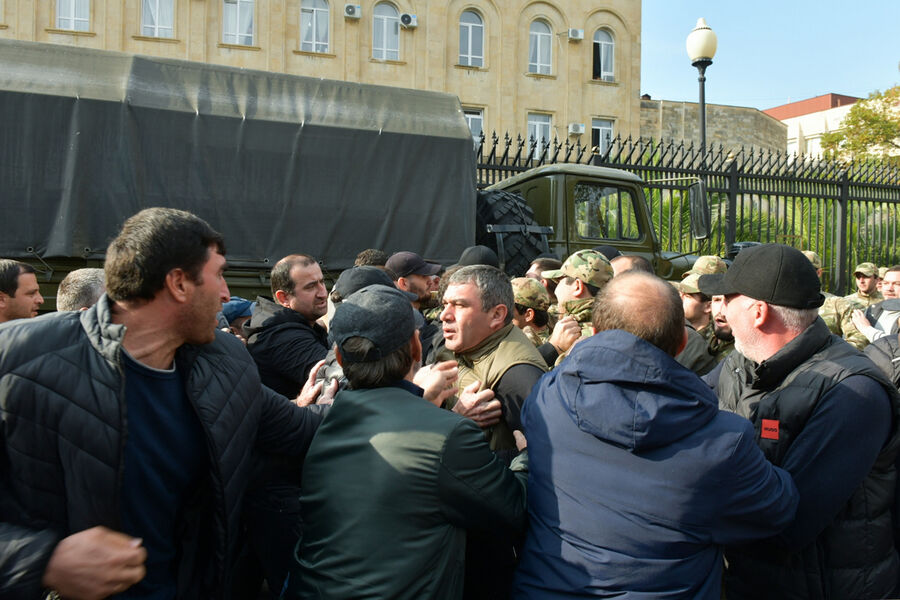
(530, 293)
(708, 265)
(868, 269)
(689, 284)
(589, 266)
(881, 272)
(813, 258)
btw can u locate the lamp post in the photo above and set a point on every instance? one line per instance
(701, 48)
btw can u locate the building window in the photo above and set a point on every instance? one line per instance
(73, 14)
(386, 33)
(158, 18)
(238, 22)
(475, 121)
(538, 130)
(471, 39)
(601, 134)
(604, 56)
(314, 26)
(539, 48)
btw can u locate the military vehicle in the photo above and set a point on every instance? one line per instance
(278, 163)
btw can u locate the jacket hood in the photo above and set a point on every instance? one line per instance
(627, 392)
(269, 314)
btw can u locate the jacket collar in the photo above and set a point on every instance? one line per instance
(488, 345)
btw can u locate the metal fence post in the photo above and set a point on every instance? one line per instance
(841, 255)
(731, 223)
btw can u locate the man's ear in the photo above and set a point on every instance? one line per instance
(683, 343)
(760, 314)
(337, 356)
(402, 283)
(529, 315)
(282, 298)
(416, 346)
(498, 316)
(580, 289)
(176, 283)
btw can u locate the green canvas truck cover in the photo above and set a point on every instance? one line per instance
(279, 164)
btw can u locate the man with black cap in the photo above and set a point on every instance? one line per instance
(391, 482)
(412, 273)
(823, 412)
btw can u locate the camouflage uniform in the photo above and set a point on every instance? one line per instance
(707, 265)
(858, 299)
(836, 313)
(590, 267)
(530, 293)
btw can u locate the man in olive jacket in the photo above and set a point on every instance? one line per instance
(392, 482)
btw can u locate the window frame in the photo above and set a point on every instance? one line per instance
(236, 34)
(599, 72)
(70, 21)
(315, 13)
(472, 114)
(156, 30)
(387, 22)
(469, 58)
(597, 124)
(537, 40)
(536, 121)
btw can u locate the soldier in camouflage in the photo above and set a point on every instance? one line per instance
(577, 281)
(867, 293)
(531, 302)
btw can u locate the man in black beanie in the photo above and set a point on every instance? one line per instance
(823, 412)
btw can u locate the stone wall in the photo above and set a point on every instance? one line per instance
(730, 126)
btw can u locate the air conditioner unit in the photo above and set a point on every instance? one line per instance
(576, 128)
(576, 34)
(352, 11)
(408, 21)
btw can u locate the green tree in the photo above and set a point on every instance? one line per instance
(871, 127)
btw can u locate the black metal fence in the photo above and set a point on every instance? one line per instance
(846, 212)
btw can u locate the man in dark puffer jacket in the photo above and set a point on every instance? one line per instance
(127, 429)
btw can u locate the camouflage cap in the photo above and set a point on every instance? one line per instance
(814, 258)
(707, 265)
(881, 272)
(587, 265)
(530, 293)
(868, 269)
(689, 285)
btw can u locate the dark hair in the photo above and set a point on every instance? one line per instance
(893, 269)
(643, 305)
(79, 289)
(541, 317)
(593, 289)
(378, 373)
(281, 272)
(636, 262)
(371, 257)
(494, 287)
(150, 245)
(9, 275)
(547, 264)
(699, 296)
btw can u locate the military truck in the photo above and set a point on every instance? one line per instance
(278, 163)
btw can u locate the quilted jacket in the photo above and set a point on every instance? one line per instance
(62, 434)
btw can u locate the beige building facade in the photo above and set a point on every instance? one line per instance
(566, 69)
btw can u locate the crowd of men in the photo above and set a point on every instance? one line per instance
(584, 430)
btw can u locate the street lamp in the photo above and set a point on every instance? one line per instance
(701, 48)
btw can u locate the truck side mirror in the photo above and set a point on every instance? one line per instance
(699, 210)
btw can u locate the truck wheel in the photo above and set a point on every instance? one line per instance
(497, 207)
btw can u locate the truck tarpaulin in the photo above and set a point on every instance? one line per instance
(278, 163)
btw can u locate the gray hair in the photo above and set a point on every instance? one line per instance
(795, 319)
(81, 288)
(494, 287)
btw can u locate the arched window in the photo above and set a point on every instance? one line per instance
(314, 26)
(386, 32)
(237, 22)
(539, 48)
(604, 56)
(471, 39)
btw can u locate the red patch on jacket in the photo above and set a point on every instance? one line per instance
(769, 429)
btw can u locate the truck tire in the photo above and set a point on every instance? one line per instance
(496, 207)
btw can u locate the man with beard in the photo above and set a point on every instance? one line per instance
(412, 273)
(823, 412)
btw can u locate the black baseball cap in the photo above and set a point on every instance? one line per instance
(353, 280)
(404, 264)
(774, 273)
(381, 314)
(478, 255)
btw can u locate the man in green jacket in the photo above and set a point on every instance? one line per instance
(391, 482)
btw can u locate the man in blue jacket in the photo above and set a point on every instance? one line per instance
(637, 479)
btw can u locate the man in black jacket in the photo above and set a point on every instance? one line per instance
(282, 335)
(126, 430)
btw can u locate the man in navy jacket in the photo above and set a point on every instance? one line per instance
(637, 479)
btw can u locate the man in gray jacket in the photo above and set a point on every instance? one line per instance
(126, 430)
